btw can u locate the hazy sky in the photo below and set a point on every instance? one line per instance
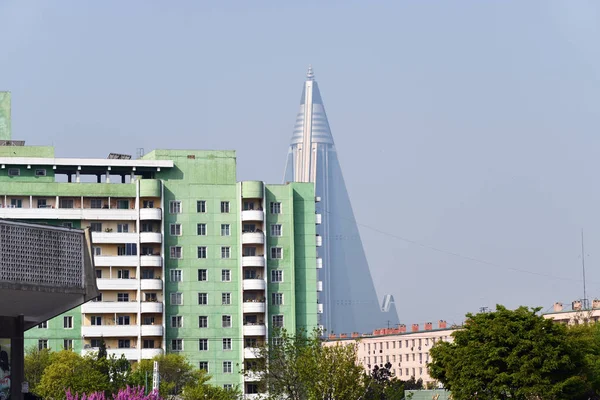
(467, 126)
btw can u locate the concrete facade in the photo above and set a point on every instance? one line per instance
(187, 259)
(407, 350)
(575, 313)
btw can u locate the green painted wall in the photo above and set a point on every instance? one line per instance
(56, 333)
(27, 151)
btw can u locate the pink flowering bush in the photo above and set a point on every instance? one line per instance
(129, 393)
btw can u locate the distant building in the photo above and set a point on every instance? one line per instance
(574, 314)
(408, 352)
(347, 294)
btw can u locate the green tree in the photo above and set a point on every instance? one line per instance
(382, 385)
(508, 354)
(202, 390)
(175, 374)
(301, 368)
(36, 361)
(69, 370)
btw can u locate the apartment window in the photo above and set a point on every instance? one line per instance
(176, 321)
(151, 297)
(96, 203)
(226, 321)
(148, 344)
(250, 274)
(225, 252)
(277, 299)
(42, 203)
(225, 275)
(201, 206)
(66, 203)
(225, 299)
(249, 251)
(201, 229)
(175, 207)
(175, 229)
(201, 251)
(67, 224)
(276, 253)
(276, 276)
(275, 207)
(202, 275)
(43, 325)
(123, 274)
(228, 386)
(226, 343)
(148, 320)
(147, 273)
(203, 365)
(96, 320)
(68, 322)
(129, 249)
(123, 320)
(252, 388)
(96, 343)
(40, 172)
(278, 321)
(14, 172)
(98, 273)
(148, 204)
(176, 252)
(203, 298)
(42, 344)
(203, 344)
(225, 230)
(68, 344)
(16, 203)
(122, 204)
(277, 341)
(176, 299)
(146, 227)
(123, 297)
(202, 321)
(123, 228)
(276, 230)
(227, 367)
(96, 227)
(124, 343)
(224, 207)
(176, 275)
(248, 205)
(177, 344)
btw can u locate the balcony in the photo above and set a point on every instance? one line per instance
(93, 214)
(253, 396)
(152, 284)
(251, 352)
(254, 284)
(319, 241)
(320, 308)
(151, 261)
(319, 263)
(318, 219)
(151, 353)
(130, 354)
(153, 214)
(253, 215)
(253, 238)
(152, 330)
(319, 286)
(117, 284)
(103, 307)
(255, 330)
(110, 330)
(252, 376)
(150, 237)
(253, 261)
(251, 307)
(152, 307)
(115, 261)
(113, 237)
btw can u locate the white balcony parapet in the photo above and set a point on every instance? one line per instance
(253, 284)
(152, 330)
(130, 354)
(117, 284)
(252, 215)
(113, 237)
(320, 308)
(255, 330)
(116, 261)
(150, 237)
(151, 284)
(319, 241)
(252, 376)
(251, 352)
(253, 261)
(318, 219)
(319, 263)
(319, 286)
(253, 238)
(152, 307)
(254, 307)
(100, 307)
(90, 214)
(151, 353)
(154, 214)
(110, 330)
(150, 261)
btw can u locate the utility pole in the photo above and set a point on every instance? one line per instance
(585, 300)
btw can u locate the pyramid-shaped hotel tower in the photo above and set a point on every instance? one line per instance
(348, 296)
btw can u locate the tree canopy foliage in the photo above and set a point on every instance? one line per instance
(518, 355)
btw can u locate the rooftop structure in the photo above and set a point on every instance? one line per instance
(575, 313)
(348, 294)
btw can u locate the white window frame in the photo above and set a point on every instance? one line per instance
(68, 344)
(201, 229)
(224, 324)
(40, 172)
(179, 346)
(273, 317)
(173, 297)
(175, 206)
(68, 322)
(201, 206)
(176, 321)
(205, 273)
(277, 299)
(225, 207)
(200, 317)
(225, 252)
(200, 366)
(227, 344)
(276, 230)
(202, 254)
(14, 172)
(173, 252)
(274, 273)
(229, 369)
(43, 325)
(203, 340)
(176, 275)
(274, 251)
(225, 275)
(226, 298)
(175, 229)
(205, 296)
(225, 230)
(275, 207)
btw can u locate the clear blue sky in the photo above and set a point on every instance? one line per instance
(469, 126)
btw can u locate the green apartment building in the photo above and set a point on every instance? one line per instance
(187, 259)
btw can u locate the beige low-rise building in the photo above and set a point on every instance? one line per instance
(407, 351)
(576, 314)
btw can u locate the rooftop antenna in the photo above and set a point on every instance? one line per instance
(139, 153)
(585, 299)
